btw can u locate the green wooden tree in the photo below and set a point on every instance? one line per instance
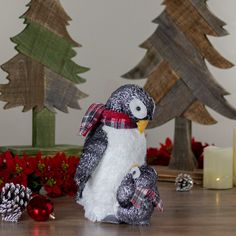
(42, 76)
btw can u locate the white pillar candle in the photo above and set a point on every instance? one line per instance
(218, 168)
(234, 157)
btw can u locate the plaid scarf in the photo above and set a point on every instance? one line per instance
(98, 113)
(138, 198)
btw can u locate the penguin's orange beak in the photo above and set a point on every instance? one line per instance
(142, 124)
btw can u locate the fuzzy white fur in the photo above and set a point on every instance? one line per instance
(126, 147)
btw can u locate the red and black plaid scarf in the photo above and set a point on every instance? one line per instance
(98, 113)
(140, 194)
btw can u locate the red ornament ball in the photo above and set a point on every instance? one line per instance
(40, 208)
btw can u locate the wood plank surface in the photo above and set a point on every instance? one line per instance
(56, 53)
(50, 14)
(194, 213)
(197, 112)
(55, 5)
(33, 85)
(188, 19)
(173, 104)
(212, 20)
(182, 157)
(26, 83)
(161, 81)
(60, 92)
(178, 50)
(186, 16)
(44, 128)
(158, 85)
(193, 71)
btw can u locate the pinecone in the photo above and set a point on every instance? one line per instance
(14, 199)
(183, 182)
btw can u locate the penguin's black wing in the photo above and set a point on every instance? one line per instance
(126, 191)
(94, 148)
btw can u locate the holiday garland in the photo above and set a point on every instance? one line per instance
(56, 173)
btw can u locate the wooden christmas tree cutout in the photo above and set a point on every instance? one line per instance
(42, 76)
(178, 78)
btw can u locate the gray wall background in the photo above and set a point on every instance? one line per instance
(110, 32)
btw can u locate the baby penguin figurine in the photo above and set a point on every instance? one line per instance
(137, 196)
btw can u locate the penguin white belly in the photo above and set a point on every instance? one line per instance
(126, 147)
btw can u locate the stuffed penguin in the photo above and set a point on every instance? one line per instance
(137, 196)
(115, 142)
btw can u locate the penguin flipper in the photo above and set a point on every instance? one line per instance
(94, 148)
(126, 191)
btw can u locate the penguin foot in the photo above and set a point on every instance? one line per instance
(144, 223)
(110, 219)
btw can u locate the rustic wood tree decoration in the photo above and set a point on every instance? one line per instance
(42, 76)
(178, 78)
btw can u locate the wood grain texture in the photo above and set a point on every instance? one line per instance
(161, 81)
(26, 83)
(56, 53)
(182, 157)
(32, 85)
(192, 69)
(190, 13)
(180, 40)
(60, 93)
(186, 16)
(208, 51)
(199, 212)
(43, 128)
(195, 27)
(184, 85)
(51, 15)
(216, 23)
(173, 104)
(199, 114)
(55, 5)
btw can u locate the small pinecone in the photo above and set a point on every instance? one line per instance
(183, 183)
(14, 200)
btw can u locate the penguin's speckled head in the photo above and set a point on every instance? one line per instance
(133, 101)
(144, 176)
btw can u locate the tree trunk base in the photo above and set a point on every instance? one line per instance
(43, 130)
(182, 155)
(188, 165)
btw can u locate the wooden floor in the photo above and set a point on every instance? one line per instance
(199, 212)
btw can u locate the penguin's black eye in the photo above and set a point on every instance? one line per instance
(138, 109)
